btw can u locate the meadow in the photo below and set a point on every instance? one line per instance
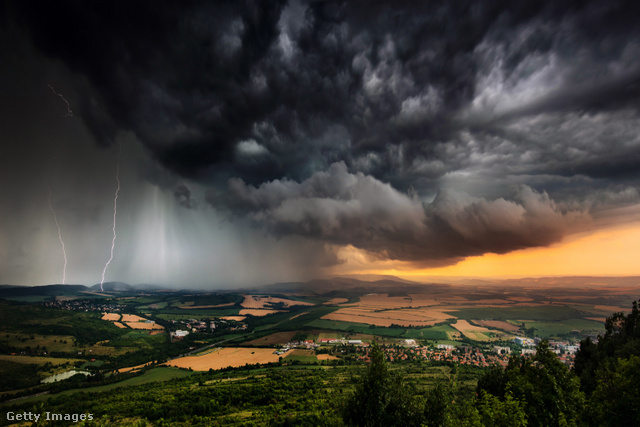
(472, 316)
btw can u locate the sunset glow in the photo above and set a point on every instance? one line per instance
(606, 252)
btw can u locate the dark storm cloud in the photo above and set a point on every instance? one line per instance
(183, 197)
(341, 121)
(343, 208)
(194, 79)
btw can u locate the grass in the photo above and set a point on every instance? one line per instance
(548, 313)
(555, 329)
(356, 328)
(51, 342)
(156, 306)
(28, 298)
(435, 333)
(38, 360)
(152, 375)
(135, 334)
(330, 335)
(184, 313)
(304, 359)
(477, 336)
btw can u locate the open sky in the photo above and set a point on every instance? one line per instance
(261, 141)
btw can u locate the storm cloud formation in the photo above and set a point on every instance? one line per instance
(355, 209)
(416, 131)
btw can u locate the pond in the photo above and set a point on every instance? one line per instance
(63, 376)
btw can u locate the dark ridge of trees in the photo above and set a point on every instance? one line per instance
(609, 371)
(602, 390)
(381, 399)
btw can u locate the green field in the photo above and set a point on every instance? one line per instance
(300, 358)
(354, 328)
(29, 298)
(50, 342)
(555, 329)
(153, 375)
(38, 360)
(547, 313)
(199, 312)
(435, 333)
(153, 306)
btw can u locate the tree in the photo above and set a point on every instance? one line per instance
(548, 391)
(508, 412)
(616, 398)
(621, 340)
(437, 405)
(380, 398)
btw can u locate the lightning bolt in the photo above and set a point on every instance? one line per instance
(64, 252)
(69, 113)
(115, 212)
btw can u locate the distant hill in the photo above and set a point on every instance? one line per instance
(347, 286)
(376, 278)
(566, 281)
(48, 290)
(9, 291)
(113, 287)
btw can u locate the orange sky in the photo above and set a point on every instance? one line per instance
(613, 251)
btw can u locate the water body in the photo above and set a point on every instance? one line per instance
(63, 376)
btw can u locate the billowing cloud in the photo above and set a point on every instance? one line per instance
(198, 83)
(342, 208)
(416, 131)
(183, 197)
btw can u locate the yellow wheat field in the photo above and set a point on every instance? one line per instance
(326, 357)
(262, 301)
(385, 302)
(498, 324)
(235, 318)
(463, 325)
(418, 317)
(111, 316)
(335, 301)
(228, 357)
(132, 318)
(143, 325)
(257, 312)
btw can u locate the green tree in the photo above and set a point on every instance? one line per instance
(381, 399)
(549, 392)
(493, 412)
(621, 340)
(616, 398)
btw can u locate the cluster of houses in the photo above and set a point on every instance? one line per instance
(196, 325)
(85, 305)
(311, 344)
(462, 354)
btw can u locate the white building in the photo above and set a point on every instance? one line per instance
(501, 350)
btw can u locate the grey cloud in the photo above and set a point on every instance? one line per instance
(341, 208)
(183, 197)
(317, 119)
(195, 80)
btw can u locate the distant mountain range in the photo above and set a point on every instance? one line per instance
(71, 290)
(344, 286)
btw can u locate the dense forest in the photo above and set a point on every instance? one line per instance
(539, 390)
(603, 389)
